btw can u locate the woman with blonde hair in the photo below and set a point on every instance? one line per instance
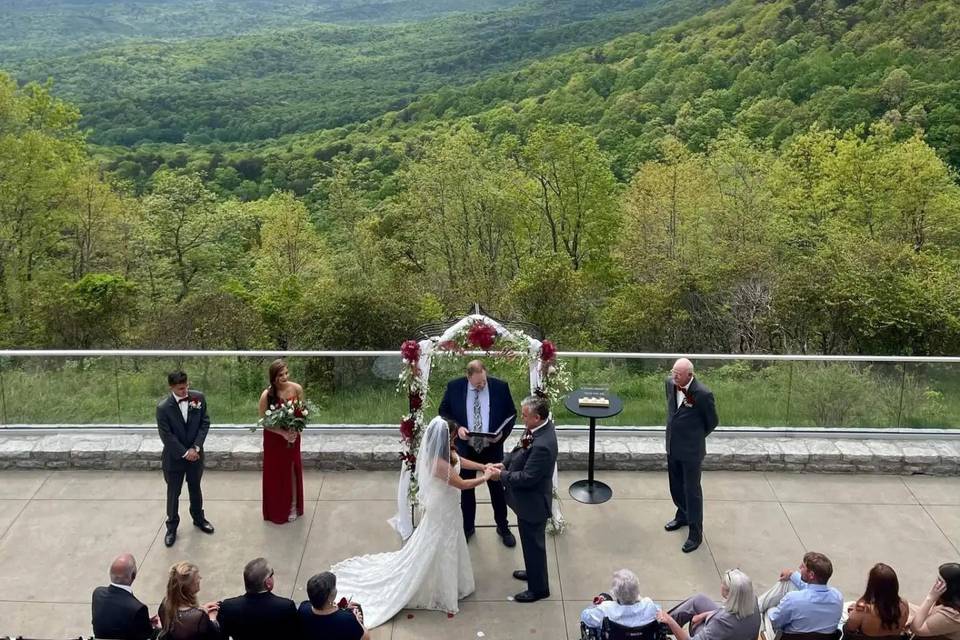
(180, 615)
(738, 618)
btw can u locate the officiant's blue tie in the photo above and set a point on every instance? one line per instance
(477, 416)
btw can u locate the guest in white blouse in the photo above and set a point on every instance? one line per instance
(626, 607)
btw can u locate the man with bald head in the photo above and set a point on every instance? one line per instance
(691, 416)
(478, 402)
(117, 613)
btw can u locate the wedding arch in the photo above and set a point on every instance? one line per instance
(472, 333)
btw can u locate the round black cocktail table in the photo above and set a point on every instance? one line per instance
(591, 491)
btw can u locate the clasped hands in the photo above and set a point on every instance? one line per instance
(192, 455)
(493, 471)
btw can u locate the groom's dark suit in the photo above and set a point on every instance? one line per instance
(454, 406)
(528, 481)
(179, 436)
(687, 431)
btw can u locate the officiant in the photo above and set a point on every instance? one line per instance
(479, 403)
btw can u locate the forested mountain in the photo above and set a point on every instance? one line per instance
(767, 175)
(274, 82)
(39, 28)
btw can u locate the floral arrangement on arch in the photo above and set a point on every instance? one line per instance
(479, 335)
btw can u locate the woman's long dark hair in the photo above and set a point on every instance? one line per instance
(273, 395)
(950, 572)
(883, 592)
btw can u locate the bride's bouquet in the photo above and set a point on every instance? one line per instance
(289, 415)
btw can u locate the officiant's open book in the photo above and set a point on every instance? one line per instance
(480, 440)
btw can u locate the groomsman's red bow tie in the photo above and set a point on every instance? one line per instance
(187, 399)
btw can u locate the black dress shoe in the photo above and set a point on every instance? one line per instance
(469, 534)
(520, 574)
(690, 545)
(506, 537)
(531, 596)
(674, 524)
(204, 526)
(170, 538)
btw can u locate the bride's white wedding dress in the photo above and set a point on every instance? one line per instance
(433, 569)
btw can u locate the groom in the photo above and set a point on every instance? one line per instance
(183, 423)
(527, 477)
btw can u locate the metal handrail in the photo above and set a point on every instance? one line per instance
(619, 355)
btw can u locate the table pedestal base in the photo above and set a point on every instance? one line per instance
(590, 491)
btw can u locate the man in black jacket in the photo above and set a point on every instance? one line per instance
(527, 477)
(117, 614)
(183, 422)
(691, 416)
(480, 403)
(258, 614)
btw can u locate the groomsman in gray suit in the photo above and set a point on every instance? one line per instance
(691, 417)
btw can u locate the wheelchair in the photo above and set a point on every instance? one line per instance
(610, 630)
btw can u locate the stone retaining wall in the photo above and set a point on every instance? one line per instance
(75, 449)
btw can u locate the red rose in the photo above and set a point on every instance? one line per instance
(481, 335)
(410, 350)
(406, 429)
(416, 401)
(548, 351)
(343, 604)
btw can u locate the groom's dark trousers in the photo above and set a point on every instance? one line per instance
(178, 436)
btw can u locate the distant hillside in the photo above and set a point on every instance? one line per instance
(278, 82)
(41, 28)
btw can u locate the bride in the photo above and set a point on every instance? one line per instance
(432, 570)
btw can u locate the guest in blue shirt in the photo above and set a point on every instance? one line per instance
(626, 606)
(801, 602)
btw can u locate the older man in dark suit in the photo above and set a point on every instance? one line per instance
(480, 403)
(527, 477)
(183, 422)
(258, 614)
(117, 613)
(691, 417)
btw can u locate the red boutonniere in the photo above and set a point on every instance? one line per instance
(194, 403)
(526, 440)
(687, 396)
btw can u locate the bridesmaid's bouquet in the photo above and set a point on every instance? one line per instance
(289, 415)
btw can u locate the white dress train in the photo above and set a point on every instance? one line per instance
(431, 571)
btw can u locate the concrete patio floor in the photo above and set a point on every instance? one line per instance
(59, 531)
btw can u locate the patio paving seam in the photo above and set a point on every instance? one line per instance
(303, 552)
(930, 515)
(15, 518)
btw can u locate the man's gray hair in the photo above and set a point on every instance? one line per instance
(625, 587)
(255, 575)
(741, 600)
(537, 404)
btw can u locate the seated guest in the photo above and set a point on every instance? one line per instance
(626, 607)
(322, 619)
(258, 613)
(182, 618)
(801, 602)
(116, 612)
(939, 615)
(880, 611)
(737, 619)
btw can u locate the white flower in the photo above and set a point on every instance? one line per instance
(268, 412)
(305, 412)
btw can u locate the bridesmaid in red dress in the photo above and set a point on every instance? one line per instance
(282, 466)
